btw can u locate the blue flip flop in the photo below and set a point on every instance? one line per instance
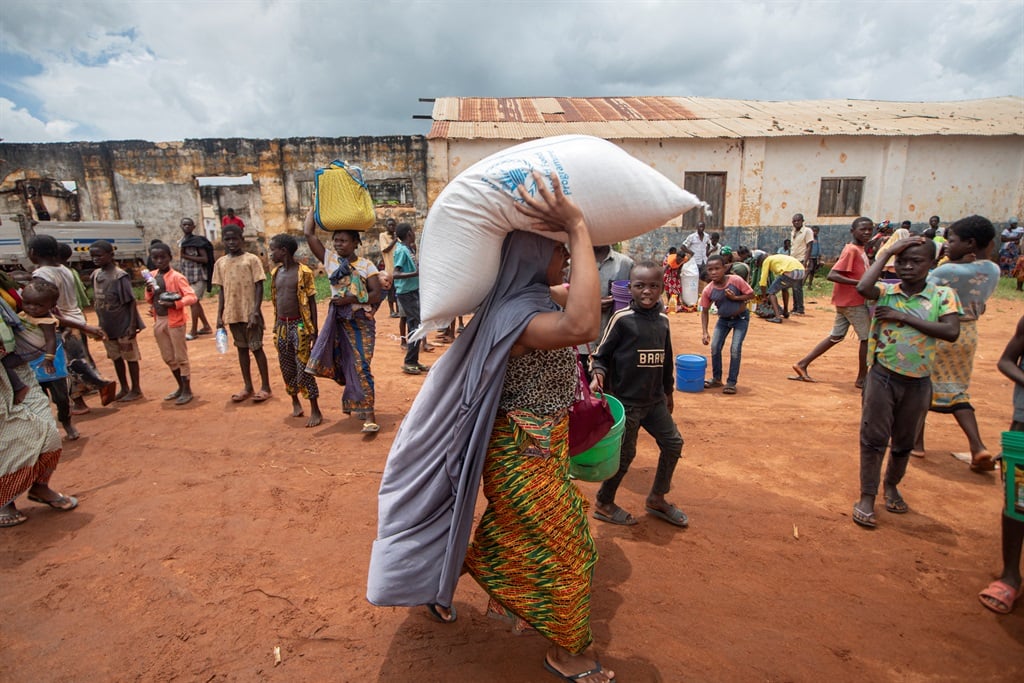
(436, 613)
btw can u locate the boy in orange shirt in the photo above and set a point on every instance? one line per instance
(170, 295)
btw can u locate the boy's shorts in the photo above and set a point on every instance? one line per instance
(786, 281)
(124, 348)
(246, 338)
(857, 316)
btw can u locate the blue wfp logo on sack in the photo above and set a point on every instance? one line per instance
(508, 174)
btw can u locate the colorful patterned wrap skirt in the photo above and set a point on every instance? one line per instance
(951, 372)
(532, 551)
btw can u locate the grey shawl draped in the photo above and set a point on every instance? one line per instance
(432, 477)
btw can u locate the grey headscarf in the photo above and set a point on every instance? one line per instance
(432, 476)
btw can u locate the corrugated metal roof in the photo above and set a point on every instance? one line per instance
(700, 117)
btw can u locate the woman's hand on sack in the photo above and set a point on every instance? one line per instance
(597, 383)
(551, 210)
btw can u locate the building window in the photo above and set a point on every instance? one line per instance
(391, 191)
(709, 187)
(840, 196)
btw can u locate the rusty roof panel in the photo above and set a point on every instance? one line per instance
(439, 130)
(668, 117)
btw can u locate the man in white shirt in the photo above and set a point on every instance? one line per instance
(800, 249)
(697, 244)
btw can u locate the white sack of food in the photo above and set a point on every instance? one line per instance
(621, 197)
(690, 282)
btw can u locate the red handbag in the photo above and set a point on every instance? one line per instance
(590, 418)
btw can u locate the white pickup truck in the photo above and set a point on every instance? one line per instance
(16, 230)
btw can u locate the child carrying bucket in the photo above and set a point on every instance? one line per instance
(1001, 594)
(633, 362)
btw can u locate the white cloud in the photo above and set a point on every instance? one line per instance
(167, 71)
(17, 124)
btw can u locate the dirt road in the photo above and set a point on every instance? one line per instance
(209, 535)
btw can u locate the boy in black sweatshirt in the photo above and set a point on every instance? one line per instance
(633, 362)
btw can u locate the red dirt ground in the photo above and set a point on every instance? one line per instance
(209, 535)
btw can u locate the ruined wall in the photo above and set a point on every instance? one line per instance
(156, 182)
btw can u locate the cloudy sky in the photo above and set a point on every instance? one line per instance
(175, 69)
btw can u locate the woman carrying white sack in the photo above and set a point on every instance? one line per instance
(495, 407)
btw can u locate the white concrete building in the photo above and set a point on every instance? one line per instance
(757, 163)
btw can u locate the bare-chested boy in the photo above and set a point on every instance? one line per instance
(293, 292)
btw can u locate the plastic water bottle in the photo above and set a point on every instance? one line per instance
(150, 281)
(222, 340)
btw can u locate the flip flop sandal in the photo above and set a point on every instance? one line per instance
(802, 378)
(15, 519)
(260, 396)
(864, 519)
(241, 396)
(1001, 597)
(712, 383)
(370, 428)
(64, 503)
(190, 337)
(729, 389)
(410, 370)
(574, 677)
(620, 517)
(897, 506)
(204, 331)
(674, 516)
(436, 613)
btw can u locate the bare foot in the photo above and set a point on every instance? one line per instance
(131, 395)
(297, 407)
(315, 418)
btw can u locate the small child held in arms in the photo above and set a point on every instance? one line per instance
(633, 362)
(170, 295)
(1002, 594)
(37, 337)
(851, 309)
(240, 277)
(909, 317)
(293, 292)
(114, 302)
(730, 294)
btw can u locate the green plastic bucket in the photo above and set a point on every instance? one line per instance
(601, 460)
(1013, 474)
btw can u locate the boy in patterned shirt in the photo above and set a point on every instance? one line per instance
(909, 316)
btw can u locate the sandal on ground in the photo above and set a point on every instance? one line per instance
(729, 389)
(436, 613)
(673, 515)
(574, 677)
(14, 519)
(917, 453)
(190, 337)
(620, 517)
(999, 597)
(774, 319)
(241, 396)
(864, 519)
(983, 462)
(205, 330)
(896, 505)
(410, 370)
(712, 383)
(62, 503)
(260, 396)
(422, 367)
(370, 428)
(801, 375)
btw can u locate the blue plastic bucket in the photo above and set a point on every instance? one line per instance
(620, 294)
(601, 461)
(690, 372)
